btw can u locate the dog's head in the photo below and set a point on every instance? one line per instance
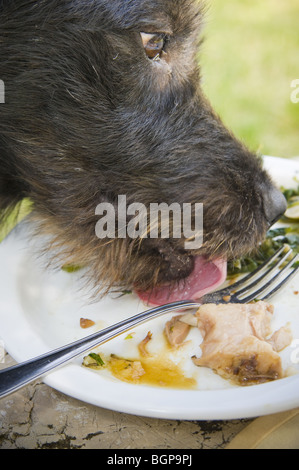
(103, 99)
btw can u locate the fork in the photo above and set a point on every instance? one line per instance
(261, 284)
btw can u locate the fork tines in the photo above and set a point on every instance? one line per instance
(268, 278)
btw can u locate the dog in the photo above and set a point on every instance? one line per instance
(103, 98)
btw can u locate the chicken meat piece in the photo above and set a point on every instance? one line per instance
(176, 331)
(235, 342)
(281, 338)
(143, 344)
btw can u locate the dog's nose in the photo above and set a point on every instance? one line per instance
(275, 205)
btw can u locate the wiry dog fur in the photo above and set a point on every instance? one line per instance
(88, 116)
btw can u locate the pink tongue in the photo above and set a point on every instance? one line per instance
(206, 276)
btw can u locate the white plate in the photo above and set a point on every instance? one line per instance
(40, 310)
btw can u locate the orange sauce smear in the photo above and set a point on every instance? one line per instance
(155, 371)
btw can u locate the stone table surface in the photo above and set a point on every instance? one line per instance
(39, 417)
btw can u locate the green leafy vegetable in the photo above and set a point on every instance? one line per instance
(68, 268)
(97, 358)
(275, 239)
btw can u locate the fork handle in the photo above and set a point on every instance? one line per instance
(16, 377)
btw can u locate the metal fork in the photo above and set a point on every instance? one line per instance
(261, 284)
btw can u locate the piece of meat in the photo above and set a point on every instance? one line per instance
(281, 339)
(176, 331)
(142, 345)
(235, 342)
(86, 323)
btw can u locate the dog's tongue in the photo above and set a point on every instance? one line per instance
(205, 277)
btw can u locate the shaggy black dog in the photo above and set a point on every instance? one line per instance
(103, 98)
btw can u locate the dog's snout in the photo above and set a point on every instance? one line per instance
(275, 204)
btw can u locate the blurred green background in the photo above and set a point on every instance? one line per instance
(249, 59)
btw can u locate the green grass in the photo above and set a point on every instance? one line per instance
(249, 59)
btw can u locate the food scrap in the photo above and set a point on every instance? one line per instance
(71, 268)
(155, 371)
(93, 361)
(86, 323)
(125, 369)
(176, 331)
(236, 342)
(142, 345)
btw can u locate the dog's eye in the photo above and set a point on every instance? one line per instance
(154, 44)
